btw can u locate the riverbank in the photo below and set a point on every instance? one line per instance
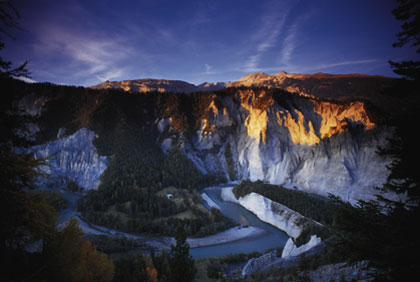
(227, 236)
(280, 216)
(252, 234)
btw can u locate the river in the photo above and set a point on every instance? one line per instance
(271, 237)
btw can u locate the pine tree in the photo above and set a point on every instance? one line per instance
(182, 268)
(9, 20)
(382, 231)
(409, 12)
(69, 258)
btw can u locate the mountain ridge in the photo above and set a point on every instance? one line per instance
(317, 145)
(315, 85)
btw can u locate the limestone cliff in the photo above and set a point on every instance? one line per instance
(280, 216)
(318, 146)
(72, 158)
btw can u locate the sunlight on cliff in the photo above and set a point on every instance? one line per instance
(206, 126)
(335, 116)
(256, 124)
(335, 119)
(307, 123)
(256, 104)
(299, 133)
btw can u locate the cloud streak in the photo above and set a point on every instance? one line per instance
(96, 56)
(290, 41)
(346, 63)
(272, 22)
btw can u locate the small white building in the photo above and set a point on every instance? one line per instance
(170, 196)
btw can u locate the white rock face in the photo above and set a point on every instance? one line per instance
(257, 264)
(291, 250)
(315, 146)
(268, 211)
(73, 157)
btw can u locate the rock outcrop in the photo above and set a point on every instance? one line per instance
(72, 158)
(318, 146)
(320, 85)
(270, 212)
(159, 85)
(297, 140)
(291, 250)
(316, 85)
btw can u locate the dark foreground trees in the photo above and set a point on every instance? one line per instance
(175, 265)
(31, 246)
(384, 231)
(408, 11)
(182, 267)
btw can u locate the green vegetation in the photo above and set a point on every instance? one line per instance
(175, 265)
(313, 207)
(69, 258)
(134, 268)
(72, 186)
(129, 197)
(52, 198)
(122, 125)
(219, 268)
(143, 210)
(111, 245)
(181, 264)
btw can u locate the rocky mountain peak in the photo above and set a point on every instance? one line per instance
(149, 85)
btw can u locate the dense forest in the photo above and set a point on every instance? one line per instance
(138, 171)
(134, 189)
(138, 168)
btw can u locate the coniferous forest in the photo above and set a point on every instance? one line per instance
(154, 192)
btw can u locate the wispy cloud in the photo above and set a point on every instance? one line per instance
(346, 63)
(266, 36)
(208, 70)
(368, 65)
(95, 57)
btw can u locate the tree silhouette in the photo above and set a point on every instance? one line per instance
(182, 267)
(382, 230)
(9, 20)
(409, 12)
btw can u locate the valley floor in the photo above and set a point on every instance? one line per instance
(230, 235)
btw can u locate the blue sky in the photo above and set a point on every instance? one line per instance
(86, 42)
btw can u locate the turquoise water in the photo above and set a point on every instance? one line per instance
(272, 238)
